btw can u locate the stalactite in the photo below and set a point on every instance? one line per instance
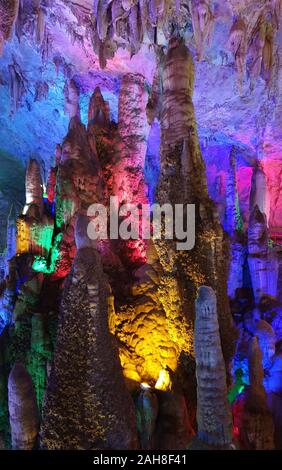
(17, 84)
(259, 192)
(134, 29)
(237, 43)
(147, 413)
(133, 129)
(87, 404)
(8, 17)
(71, 94)
(8, 298)
(40, 353)
(233, 226)
(23, 410)
(202, 19)
(213, 411)
(267, 339)
(273, 385)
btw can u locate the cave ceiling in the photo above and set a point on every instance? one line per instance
(64, 43)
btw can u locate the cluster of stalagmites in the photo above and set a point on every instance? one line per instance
(253, 290)
(119, 370)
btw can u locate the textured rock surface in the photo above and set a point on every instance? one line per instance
(213, 411)
(263, 262)
(182, 167)
(141, 139)
(257, 430)
(87, 405)
(23, 411)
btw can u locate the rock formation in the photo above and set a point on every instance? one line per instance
(87, 405)
(182, 166)
(8, 14)
(24, 419)
(213, 411)
(257, 430)
(146, 415)
(263, 263)
(92, 328)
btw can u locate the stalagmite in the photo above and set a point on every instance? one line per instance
(182, 166)
(40, 24)
(257, 426)
(233, 226)
(40, 353)
(24, 418)
(17, 85)
(11, 234)
(87, 406)
(263, 262)
(33, 186)
(8, 298)
(8, 16)
(231, 215)
(259, 193)
(213, 411)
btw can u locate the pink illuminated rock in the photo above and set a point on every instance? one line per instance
(259, 192)
(266, 338)
(133, 133)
